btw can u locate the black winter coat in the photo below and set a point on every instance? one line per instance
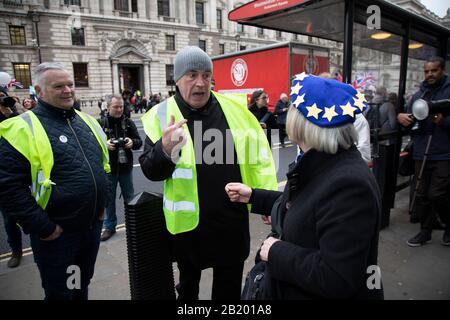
(122, 127)
(440, 143)
(264, 115)
(81, 186)
(330, 216)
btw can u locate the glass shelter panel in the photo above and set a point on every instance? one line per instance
(376, 60)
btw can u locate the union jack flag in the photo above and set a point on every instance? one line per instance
(363, 80)
(15, 83)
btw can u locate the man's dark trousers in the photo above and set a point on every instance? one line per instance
(13, 233)
(432, 196)
(75, 248)
(227, 282)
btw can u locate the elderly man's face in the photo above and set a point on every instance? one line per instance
(115, 109)
(58, 89)
(195, 88)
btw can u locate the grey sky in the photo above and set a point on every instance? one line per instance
(439, 7)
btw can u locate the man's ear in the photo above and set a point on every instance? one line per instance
(38, 90)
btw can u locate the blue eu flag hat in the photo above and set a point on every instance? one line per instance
(326, 102)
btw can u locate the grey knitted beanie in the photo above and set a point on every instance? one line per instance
(191, 58)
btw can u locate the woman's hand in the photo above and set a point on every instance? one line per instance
(238, 192)
(264, 252)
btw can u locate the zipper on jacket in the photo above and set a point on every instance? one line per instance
(90, 168)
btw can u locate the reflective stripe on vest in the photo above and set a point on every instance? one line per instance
(181, 207)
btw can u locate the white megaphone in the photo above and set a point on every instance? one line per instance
(421, 108)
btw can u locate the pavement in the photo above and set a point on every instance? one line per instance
(421, 273)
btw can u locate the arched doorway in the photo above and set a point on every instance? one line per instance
(130, 64)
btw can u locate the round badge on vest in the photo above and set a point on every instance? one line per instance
(63, 139)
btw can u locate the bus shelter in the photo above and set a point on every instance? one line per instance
(377, 44)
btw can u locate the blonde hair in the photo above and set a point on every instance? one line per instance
(328, 140)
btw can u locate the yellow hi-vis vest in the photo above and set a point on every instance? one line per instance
(27, 135)
(257, 168)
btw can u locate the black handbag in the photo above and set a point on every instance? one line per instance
(406, 166)
(258, 283)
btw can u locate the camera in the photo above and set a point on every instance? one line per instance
(119, 143)
(8, 102)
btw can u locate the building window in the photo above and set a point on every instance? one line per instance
(199, 12)
(80, 74)
(22, 73)
(260, 32)
(164, 8)
(202, 44)
(121, 5)
(17, 35)
(221, 48)
(170, 42)
(78, 36)
(169, 75)
(219, 19)
(72, 2)
(278, 34)
(242, 48)
(134, 6)
(240, 28)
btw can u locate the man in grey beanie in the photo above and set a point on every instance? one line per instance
(208, 230)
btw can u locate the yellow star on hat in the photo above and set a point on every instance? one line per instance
(330, 113)
(301, 76)
(313, 111)
(359, 101)
(300, 99)
(296, 89)
(348, 110)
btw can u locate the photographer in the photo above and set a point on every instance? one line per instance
(7, 105)
(13, 232)
(122, 138)
(432, 197)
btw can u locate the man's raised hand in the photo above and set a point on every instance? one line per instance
(173, 137)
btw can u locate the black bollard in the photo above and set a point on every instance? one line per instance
(149, 249)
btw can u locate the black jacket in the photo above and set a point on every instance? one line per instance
(222, 236)
(440, 143)
(120, 128)
(281, 115)
(81, 185)
(263, 115)
(330, 216)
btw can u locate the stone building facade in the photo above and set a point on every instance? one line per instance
(111, 45)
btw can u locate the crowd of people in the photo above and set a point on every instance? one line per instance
(60, 168)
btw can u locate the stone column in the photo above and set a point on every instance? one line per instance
(146, 78)
(153, 9)
(115, 74)
(108, 7)
(182, 11)
(142, 11)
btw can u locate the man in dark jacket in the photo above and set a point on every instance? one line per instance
(122, 137)
(281, 109)
(220, 238)
(65, 231)
(432, 197)
(13, 232)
